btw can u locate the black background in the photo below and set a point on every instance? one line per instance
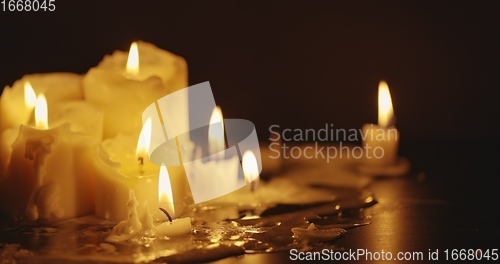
(298, 64)
(301, 64)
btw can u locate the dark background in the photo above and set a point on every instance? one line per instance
(301, 64)
(298, 64)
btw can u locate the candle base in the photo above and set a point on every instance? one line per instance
(399, 168)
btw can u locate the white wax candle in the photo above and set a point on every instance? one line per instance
(7, 138)
(50, 174)
(134, 228)
(380, 142)
(57, 87)
(178, 227)
(124, 94)
(214, 176)
(83, 117)
(118, 172)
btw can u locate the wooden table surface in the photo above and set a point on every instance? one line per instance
(448, 202)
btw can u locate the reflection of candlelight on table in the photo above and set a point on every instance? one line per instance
(216, 135)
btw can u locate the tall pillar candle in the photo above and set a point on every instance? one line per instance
(50, 174)
(57, 87)
(123, 84)
(380, 142)
(118, 171)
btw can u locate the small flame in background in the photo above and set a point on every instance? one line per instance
(385, 110)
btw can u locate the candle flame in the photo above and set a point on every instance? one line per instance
(216, 140)
(133, 60)
(165, 196)
(41, 113)
(250, 167)
(385, 111)
(29, 95)
(144, 140)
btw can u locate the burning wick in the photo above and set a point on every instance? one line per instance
(166, 213)
(252, 186)
(141, 165)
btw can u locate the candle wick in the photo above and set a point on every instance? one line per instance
(252, 186)
(166, 213)
(141, 165)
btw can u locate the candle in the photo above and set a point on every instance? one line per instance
(50, 173)
(124, 84)
(380, 142)
(122, 165)
(17, 102)
(83, 117)
(216, 135)
(171, 227)
(136, 229)
(218, 173)
(250, 169)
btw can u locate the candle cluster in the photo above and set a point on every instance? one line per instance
(68, 141)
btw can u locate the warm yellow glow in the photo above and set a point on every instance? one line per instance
(250, 167)
(385, 111)
(144, 141)
(29, 96)
(41, 113)
(216, 132)
(133, 60)
(165, 196)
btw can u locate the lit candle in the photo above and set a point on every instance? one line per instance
(216, 135)
(122, 165)
(217, 174)
(17, 102)
(8, 135)
(171, 226)
(83, 117)
(380, 142)
(50, 173)
(125, 83)
(250, 169)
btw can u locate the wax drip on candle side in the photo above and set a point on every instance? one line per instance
(42, 200)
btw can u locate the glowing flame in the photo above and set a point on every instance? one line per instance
(144, 141)
(41, 113)
(133, 60)
(216, 140)
(385, 111)
(29, 96)
(165, 196)
(250, 167)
